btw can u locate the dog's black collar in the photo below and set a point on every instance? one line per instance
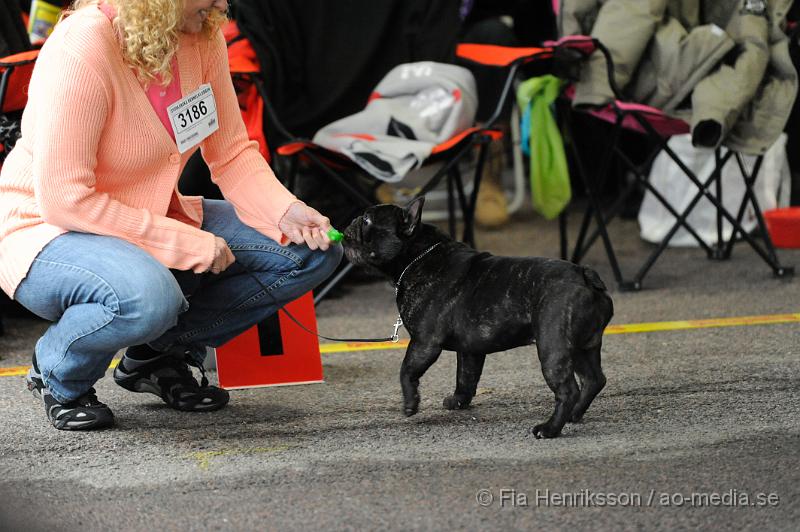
(399, 279)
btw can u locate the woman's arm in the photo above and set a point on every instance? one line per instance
(237, 167)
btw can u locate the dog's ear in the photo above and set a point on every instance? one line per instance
(412, 214)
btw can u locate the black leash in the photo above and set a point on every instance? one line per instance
(393, 338)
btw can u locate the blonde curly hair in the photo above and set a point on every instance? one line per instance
(149, 30)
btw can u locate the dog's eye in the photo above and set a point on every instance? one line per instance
(366, 229)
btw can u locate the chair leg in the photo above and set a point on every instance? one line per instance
(594, 210)
(562, 233)
(451, 207)
(449, 170)
(749, 196)
(681, 220)
(616, 207)
(585, 242)
(579, 249)
(469, 210)
(749, 181)
(777, 269)
(610, 214)
(718, 251)
(458, 185)
(332, 282)
(643, 179)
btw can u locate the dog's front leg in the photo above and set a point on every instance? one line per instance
(419, 357)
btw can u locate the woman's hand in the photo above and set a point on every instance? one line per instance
(223, 257)
(304, 225)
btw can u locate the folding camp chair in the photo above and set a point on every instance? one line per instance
(336, 167)
(15, 73)
(243, 65)
(16, 67)
(448, 153)
(658, 127)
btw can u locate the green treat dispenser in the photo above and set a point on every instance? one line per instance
(335, 235)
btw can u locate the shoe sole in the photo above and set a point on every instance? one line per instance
(82, 425)
(93, 424)
(142, 385)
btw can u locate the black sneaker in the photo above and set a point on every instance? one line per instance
(143, 369)
(84, 413)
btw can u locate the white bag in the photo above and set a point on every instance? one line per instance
(772, 188)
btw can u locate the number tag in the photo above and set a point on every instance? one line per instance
(193, 118)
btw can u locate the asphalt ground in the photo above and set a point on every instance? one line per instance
(697, 427)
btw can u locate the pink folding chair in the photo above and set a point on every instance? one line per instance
(658, 127)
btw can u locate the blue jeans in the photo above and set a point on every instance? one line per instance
(104, 294)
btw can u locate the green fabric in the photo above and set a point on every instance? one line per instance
(550, 186)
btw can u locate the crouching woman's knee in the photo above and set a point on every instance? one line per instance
(150, 303)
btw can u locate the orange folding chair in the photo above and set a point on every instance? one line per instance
(244, 68)
(449, 153)
(339, 169)
(15, 74)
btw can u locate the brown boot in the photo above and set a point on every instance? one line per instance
(491, 208)
(385, 193)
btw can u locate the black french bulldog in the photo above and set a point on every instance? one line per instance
(453, 297)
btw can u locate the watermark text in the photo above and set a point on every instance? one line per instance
(587, 498)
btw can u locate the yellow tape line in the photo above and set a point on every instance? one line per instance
(13, 371)
(770, 319)
(361, 346)
(630, 328)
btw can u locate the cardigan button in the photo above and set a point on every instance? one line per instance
(175, 158)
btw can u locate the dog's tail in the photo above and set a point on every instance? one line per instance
(593, 280)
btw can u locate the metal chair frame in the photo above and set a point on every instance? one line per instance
(721, 251)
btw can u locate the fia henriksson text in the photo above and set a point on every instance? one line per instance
(586, 498)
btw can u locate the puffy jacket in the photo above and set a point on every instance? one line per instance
(722, 65)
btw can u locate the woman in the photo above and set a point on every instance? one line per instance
(94, 235)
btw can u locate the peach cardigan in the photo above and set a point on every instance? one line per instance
(94, 156)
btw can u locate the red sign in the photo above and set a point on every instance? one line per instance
(275, 352)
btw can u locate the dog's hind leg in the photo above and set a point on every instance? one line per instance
(419, 357)
(469, 372)
(557, 369)
(587, 366)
